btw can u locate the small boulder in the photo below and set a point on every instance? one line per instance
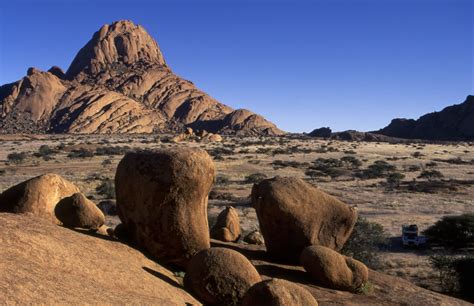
(220, 276)
(162, 201)
(294, 214)
(214, 138)
(38, 196)
(278, 292)
(254, 237)
(79, 211)
(333, 270)
(227, 227)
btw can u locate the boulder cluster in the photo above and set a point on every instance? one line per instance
(162, 198)
(200, 136)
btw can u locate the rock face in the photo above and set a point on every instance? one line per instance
(220, 276)
(278, 292)
(332, 269)
(227, 227)
(455, 123)
(62, 266)
(293, 215)
(119, 82)
(79, 211)
(162, 201)
(324, 132)
(38, 196)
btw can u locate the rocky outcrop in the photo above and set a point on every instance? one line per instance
(220, 276)
(162, 201)
(38, 196)
(454, 123)
(119, 82)
(47, 264)
(333, 270)
(79, 211)
(278, 292)
(324, 132)
(293, 214)
(227, 227)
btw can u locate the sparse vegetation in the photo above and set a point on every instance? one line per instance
(17, 158)
(431, 175)
(453, 231)
(365, 241)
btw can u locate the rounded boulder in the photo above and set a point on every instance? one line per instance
(162, 201)
(38, 196)
(220, 276)
(294, 214)
(278, 292)
(79, 211)
(227, 227)
(333, 270)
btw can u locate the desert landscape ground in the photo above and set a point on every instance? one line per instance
(90, 162)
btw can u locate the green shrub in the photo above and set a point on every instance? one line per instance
(255, 178)
(379, 169)
(453, 231)
(431, 175)
(365, 241)
(80, 153)
(456, 274)
(222, 180)
(17, 158)
(394, 179)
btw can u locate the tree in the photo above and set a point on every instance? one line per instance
(453, 231)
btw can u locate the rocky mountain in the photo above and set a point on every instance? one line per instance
(454, 122)
(118, 82)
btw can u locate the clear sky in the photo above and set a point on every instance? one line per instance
(347, 64)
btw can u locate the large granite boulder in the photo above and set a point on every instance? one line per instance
(294, 214)
(162, 201)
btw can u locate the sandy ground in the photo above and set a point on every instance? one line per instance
(237, 158)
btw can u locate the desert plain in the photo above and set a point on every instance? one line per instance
(90, 162)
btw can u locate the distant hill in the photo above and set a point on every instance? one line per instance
(454, 123)
(119, 82)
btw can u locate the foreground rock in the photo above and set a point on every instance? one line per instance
(78, 211)
(227, 227)
(387, 290)
(162, 201)
(293, 215)
(62, 266)
(333, 270)
(220, 276)
(278, 292)
(38, 196)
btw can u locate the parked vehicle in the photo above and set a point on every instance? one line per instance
(410, 236)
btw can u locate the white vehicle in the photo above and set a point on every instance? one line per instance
(410, 236)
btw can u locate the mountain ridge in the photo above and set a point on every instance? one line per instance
(454, 122)
(118, 82)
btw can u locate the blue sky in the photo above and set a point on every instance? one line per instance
(347, 64)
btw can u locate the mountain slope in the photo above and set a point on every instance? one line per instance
(118, 82)
(454, 122)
